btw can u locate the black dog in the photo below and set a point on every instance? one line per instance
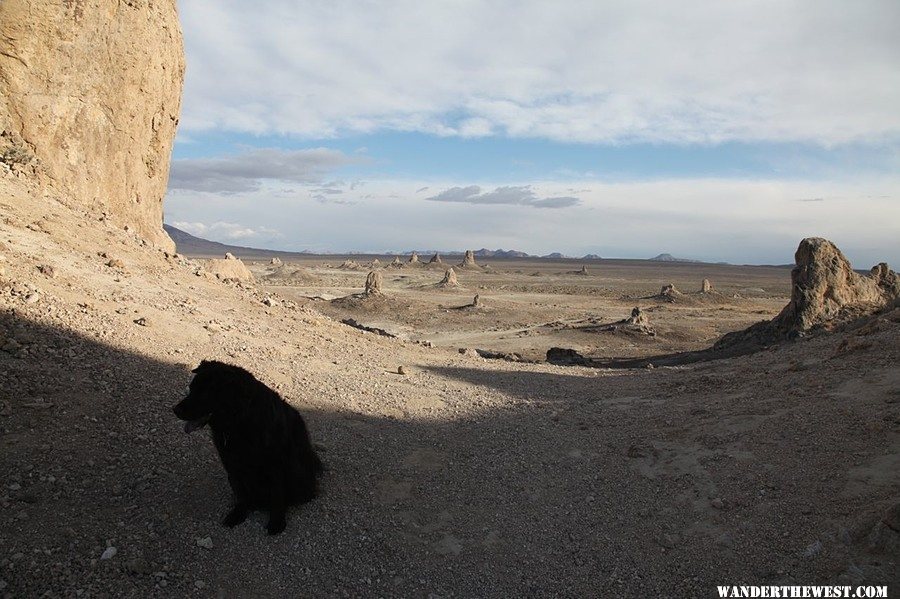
(262, 441)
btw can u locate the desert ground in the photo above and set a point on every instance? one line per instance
(460, 477)
(529, 305)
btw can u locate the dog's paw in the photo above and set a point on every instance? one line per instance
(276, 525)
(236, 516)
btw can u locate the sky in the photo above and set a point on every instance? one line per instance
(715, 131)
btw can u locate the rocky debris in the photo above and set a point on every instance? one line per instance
(565, 357)
(229, 268)
(436, 259)
(376, 263)
(369, 328)
(826, 294)
(47, 270)
(396, 263)
(476, 302)
(276, 262)
(374, 283)
(115, 263)
(468, 260)
(414, 258)
(109, 553)
(349, 265)
(706, 286)
(96, 125)
(493, 355)
(584, 270)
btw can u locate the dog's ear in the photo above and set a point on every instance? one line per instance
(204, 364)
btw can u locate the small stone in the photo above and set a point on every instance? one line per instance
(32, 298)
(142, 322)
(726, 539)
(813, 549)
(115, 263)
(47, 270)
(205, 542)
(109, 553)
(717, 503)
(199, 584)
(669, 541)
(3, 585)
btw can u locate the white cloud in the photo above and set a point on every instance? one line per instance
(522, 195)
(740, 221)
(246, 171)
(225, 231)
(575, 70)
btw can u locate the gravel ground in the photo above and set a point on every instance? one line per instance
(462, 477)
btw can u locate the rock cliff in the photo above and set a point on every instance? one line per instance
(90, 94)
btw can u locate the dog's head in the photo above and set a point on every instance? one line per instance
(207, 395)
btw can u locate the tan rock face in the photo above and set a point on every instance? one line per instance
(706, 286)
(468, 259)
(449, 279)
(228, 268)
(827, 291)
(414, 258)
(436, 259)
(374, 283)
(90, 95)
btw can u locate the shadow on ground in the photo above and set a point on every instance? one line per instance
(579, 485)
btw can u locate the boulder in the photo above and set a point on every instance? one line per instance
(90, 96)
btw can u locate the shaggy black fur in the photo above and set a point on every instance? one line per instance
(262, 441)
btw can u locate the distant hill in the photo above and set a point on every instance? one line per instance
(191, 245)
(555, 256)
(485, 253)
(591, 257)
(670, 258)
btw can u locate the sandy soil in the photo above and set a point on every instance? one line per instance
(464, 477)
(533, 305)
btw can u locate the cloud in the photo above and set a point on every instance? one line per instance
(736, 220)
(245, 172)
(225, 231)
(616, 71)
(511, 195)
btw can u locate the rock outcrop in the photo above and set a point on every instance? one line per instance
(90, 95)
(468, 260)
(436, 259)
(668, 293)
(373, 283)
(826, 293)
(228, 269)
(414, 258)
(396, 263)
(706, 286)
(449, 279)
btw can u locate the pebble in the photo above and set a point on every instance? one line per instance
(717, 503)
(109, 553)
(401, 370)
(205, 542)
(142, 322)
(199, 584)
(32, 298)
(3, 585)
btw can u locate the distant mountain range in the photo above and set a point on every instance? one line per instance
(191, 245)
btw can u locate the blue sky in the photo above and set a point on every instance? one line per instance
(620, 128)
